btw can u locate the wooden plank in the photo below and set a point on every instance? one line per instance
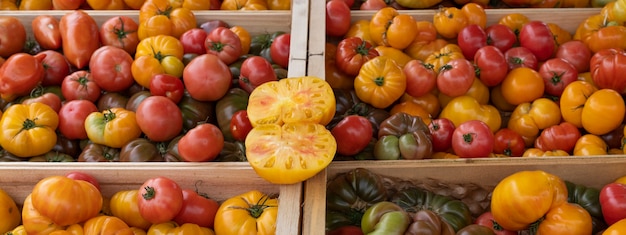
(299, 36)
(317, 39)
(314, 215)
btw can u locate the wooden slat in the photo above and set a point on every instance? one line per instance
(317, 39)
(299, 36)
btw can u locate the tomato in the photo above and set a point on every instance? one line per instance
(528, 119)
(421, 79)
(612, 198)
(110, 68)
(297, 99)
(444, 55)
(72, 117)
(67, 4)
(207, 78)
(597, 106)
(80, 37)
(465, 108)
(390, 28)
(20, 73)
(46, 31)
(576, 53)
(240, 125)
(255, 70)
(470, 39)
(472, 139)
(558, 137)
(352, 53)
(13, 36)
(337, 18)
(605, 67)
(332, 75)
(197, 209)
(168, 86)
(34, 222)
(573, 99)
(373, 5)
(158, 54)
(421, 50)
(121, 32)
(455, 77)
(517, 191)
(441, 130)
(380, 82)
(160, 17)
(522, 85)
(537, 37)
(47, 98)
(56, 68)
(224, 43)
(159, 199)
(202, 143)
(449, 21)
(491, 65)
(80, 85)
(347, 229)
(124, 205)
(159, 118)
(567, 218)
(557, 74)
(521, 57)
(77, 175)
(105, 224)
(486, 219)
(396, 55)
(535, 152)
(10, 213)
(252, 211)
(114, 127)
(279, 50)
(50, 198)
(353, 133)
(107, 5)
(28, 130)
(244, 5)
(193, 41)
(508, 143)
(616, 229)
(290, 153)
(500, 36)
(590, 145)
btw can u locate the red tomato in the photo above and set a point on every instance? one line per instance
(537, 37)
(207, 78)
(279, 50)
(470, 39)
(613, 202)
(509, 143)
(456, 77)
(500, 36)
(193, 41)
(67, 4)
(202, 143)
(120, 32)
(77, 175)
(72, 117)
(12, 36)
(46, 31)
(56, 67)
(80, 37)
(240, 125)
(441, 130)
(350, 3)
(110, 68)
(421, 79)
(352, 134)
(491, 65)
(557, 74)
(520, 57)
(348, 229)
(373, 5)
(486, 219)
(20, 73)
(472, 139)
(224, 43)
(197, 209)
(159, 200)
(50, 99)
(352, 53)
(255, 70)
(167, 85)
(337, 18)
(607, 67)
(80, 86)
(576, 53)
(558, 137)
(159, 118)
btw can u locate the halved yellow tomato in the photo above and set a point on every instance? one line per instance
(297, 99)
(290, 153)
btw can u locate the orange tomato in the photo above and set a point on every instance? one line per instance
(396, 55)
(602, 112)
(380, 82)
(244, 37)
(429, 102)
(420, 50)
(443, 56)
(464, 108)
(413, 109)
(573, 99)
(475, 14)
(449, 21)
(390, 28)
(529, 118)
(170, 20)
(478, 90)
(590, 145)
(244, 5)
(522, 85)
(514, 21)
(426, 31)
(567, 218)
(361, 29)
(535, 152)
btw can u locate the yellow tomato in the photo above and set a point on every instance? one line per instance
(529, 118)
(390, 28)
(522, 85)
(573, 99)
(464, 108)
(361, 29)
(396, 55)
(380, 82)
(590, 145)
(449, 21)
(478, 90)
(603, 111)
(535, 152)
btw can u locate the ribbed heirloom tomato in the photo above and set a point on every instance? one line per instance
(390, 28)
(380, 82)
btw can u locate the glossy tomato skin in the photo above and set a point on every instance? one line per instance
(159, 118)
(13, 36)
(224, 43)
(500, 36)
(472, 139)
(110, 68)
(491, 65)
(20, 73)
(347, 229)
(202, 143)
(421, 79)
(337, 18)
(576, 53)
(197, 209)
(456, 77)
(80, 36)
(193, 41)
(120, 32)
(159, 199)
(168, 86)
(240, 125)
(537, 37)
(46, 32)
(441, 130)
(255, 70)
(80, 85)
(470, 39)
(486, 219)
(352, 53)
(207, 78)
(520, 57)
(279, 50)
(56, 68)
(604, 66)
(557, 74)
(509, 143)
(72, 117)
(77, 175)
(352, 134)
(612, 201)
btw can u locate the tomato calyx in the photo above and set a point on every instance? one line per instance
(37, 91)
(150, 193)
(362, 49)
(168, 10)
(468, 137)
(256, 210)
(556, 78)
(218, 46)
(120, 32)
(109, 116)
(379, 81)
(444, 68)
(28, 124)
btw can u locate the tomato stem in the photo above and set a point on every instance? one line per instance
(121, 32)
(468, 137)
(29, 124)
(379, 81)
(362, 49)
(150, 193)
(109, 116)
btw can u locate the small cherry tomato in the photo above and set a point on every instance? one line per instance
(240, 125)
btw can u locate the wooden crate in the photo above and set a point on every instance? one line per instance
(219, 180)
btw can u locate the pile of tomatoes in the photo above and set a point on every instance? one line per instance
(159, 206)
(519, 87)
(525, 202)
(136, 4)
